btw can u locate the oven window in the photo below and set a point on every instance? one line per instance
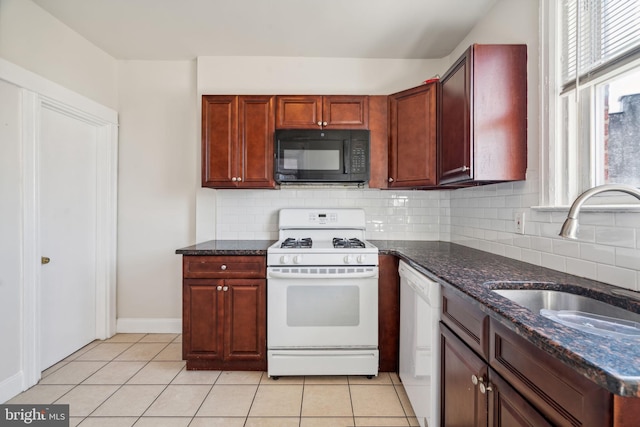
(323, 306)
(311, 160)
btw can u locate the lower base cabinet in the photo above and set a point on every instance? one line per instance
(488, 399)
(224, 319)
(490, 376)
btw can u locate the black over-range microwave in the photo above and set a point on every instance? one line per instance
(321, 156)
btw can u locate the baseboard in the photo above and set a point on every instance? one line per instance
(11, 387)
(134, 325)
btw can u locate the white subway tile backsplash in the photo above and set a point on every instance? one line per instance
(566, 247)
(607, 249)
(597, 253)
(628, 258)
(554, 262)
(624, 237)
(582, 268)
(622, 277)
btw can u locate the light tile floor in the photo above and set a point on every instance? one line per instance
(141, 380)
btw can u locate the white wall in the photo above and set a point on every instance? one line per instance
(158, 176)
(10, 240)
(483, 217)
(33, 39)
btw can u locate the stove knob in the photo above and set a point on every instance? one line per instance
(284, 259)
(348, 259)
(297, 259)
(362, 259)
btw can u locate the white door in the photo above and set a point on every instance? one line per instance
(68, 180)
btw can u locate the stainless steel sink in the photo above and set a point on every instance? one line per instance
(577, 311)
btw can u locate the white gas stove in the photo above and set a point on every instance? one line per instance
(322, 295)
(314, 237)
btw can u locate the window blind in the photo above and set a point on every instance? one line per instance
(597, 36)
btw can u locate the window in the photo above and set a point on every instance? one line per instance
(595, 101)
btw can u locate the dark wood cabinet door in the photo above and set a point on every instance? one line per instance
(345, 112)
(219, 138)
(483, 116)
(412, 137)
(563, 396)
(461, 402)
(508, 409)
(327, 112)
(245, 320)
(388, 313)
(202, 320)
(299, 112)
(455, 162)
(256, 127)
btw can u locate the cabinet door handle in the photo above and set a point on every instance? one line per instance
(390, 179)
(324, 123)
(219, 288)
(234, 179)
(239, 179)
(223, 267)
(319, 123)
(225, 288)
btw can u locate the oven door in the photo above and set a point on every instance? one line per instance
(322, 307)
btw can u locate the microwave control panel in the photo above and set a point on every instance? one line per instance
(359, 154)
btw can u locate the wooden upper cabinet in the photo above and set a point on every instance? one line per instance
(482, 116)
(326, 112)
(413, 137)
(237, 141)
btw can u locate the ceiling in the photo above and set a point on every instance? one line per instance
(185, 29)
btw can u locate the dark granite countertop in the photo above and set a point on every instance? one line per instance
(228, 247)
(613, 363)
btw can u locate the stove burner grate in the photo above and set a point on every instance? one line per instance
(339, 242)
(291, 243)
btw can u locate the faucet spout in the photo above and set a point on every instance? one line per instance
(570, 227)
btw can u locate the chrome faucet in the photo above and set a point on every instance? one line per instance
(570, 227)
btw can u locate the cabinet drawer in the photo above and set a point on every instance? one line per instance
(204, 267)
(467, 320)
(562, 395)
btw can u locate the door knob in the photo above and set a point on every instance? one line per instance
(45, 260)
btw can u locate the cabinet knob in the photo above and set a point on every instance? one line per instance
(485, 388)
(465, 168)
(324, 123)
(234, 179)
(390, 179)
(319, 123)
(223, 267)
(219, 288)
(225, 288)
(239, 178)
(475, 380)
(45, 260)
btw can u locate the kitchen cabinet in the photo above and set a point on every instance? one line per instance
(482, 116)
(326, 112)
(224, 312)
(388, 313)
(412, 137)
(491, 376)
(237, 141)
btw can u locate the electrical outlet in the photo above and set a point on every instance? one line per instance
(519, 222)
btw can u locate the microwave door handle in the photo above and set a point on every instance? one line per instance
(346, 156)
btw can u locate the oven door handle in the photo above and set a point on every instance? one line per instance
(363, 275)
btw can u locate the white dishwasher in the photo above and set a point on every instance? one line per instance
(420, 343)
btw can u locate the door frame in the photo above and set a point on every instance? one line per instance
(38, 93)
